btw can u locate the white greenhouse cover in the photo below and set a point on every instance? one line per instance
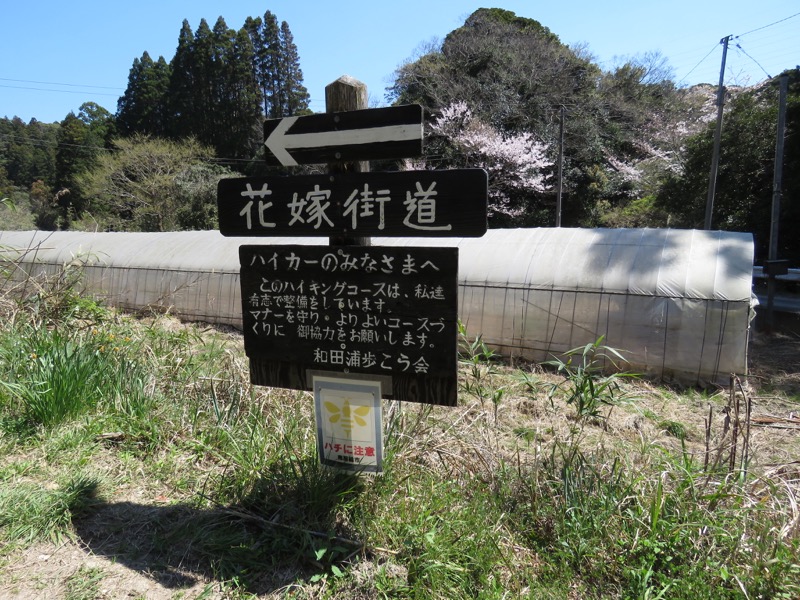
(677, 303)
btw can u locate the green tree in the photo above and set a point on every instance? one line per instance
(211, 91)
(272, 73)
(180, 101)
(82, 139)
(27, 151)
(44, 206)
(239, 97)
(205, 76)
(42, 136)
(293, 94)
(146, 183)
(217, 87)
(277, 67)
(516, 75)
(214, 94)
(5, 183)
(195, 193)
(18, 152)
(143, 108)
(265, 37)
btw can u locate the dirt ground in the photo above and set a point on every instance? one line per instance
(106, 568)
(775, 363)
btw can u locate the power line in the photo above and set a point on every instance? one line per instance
(700, 62)
(736, 37)
(765, 26)
(99, 87)
(20, 87)
(743, 51)
(54, 144)
(739, 47)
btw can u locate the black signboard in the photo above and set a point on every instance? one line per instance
(369, 134)
(381, 311)
(445, 203)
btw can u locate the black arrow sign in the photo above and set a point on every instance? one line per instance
(371, 134)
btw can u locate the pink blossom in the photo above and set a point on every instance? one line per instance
(513, 161)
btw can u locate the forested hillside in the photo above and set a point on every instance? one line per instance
(180, 126)
(636, 147)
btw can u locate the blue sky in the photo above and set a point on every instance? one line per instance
(55, 55)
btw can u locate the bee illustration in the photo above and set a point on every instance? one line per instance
(347, 415)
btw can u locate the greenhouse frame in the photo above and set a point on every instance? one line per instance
(677, 303)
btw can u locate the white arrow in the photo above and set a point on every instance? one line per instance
(279, 142)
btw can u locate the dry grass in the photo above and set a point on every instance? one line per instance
(163, 499)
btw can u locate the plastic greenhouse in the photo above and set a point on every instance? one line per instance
(678, 303)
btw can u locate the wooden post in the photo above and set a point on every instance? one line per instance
(347, 93)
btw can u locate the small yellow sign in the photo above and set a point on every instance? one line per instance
(349, 421)
(347, 416)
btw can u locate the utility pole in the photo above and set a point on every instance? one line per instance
(712, 177)
(775, 266)
(777, 181)
(560, 168)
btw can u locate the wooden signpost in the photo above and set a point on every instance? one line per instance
(351, 310)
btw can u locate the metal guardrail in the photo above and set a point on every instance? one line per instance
(792, 276)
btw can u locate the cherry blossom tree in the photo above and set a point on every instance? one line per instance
(517, 164)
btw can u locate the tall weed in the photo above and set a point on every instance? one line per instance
(671, 533)
(587, 385)
(52, 375)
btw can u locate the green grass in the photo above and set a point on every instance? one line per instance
(147, 444)
(29, 512)
(63, 375)
(84, 584)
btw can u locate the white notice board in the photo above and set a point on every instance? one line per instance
(349, 423)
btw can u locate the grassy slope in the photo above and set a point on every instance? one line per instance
(168, 475)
